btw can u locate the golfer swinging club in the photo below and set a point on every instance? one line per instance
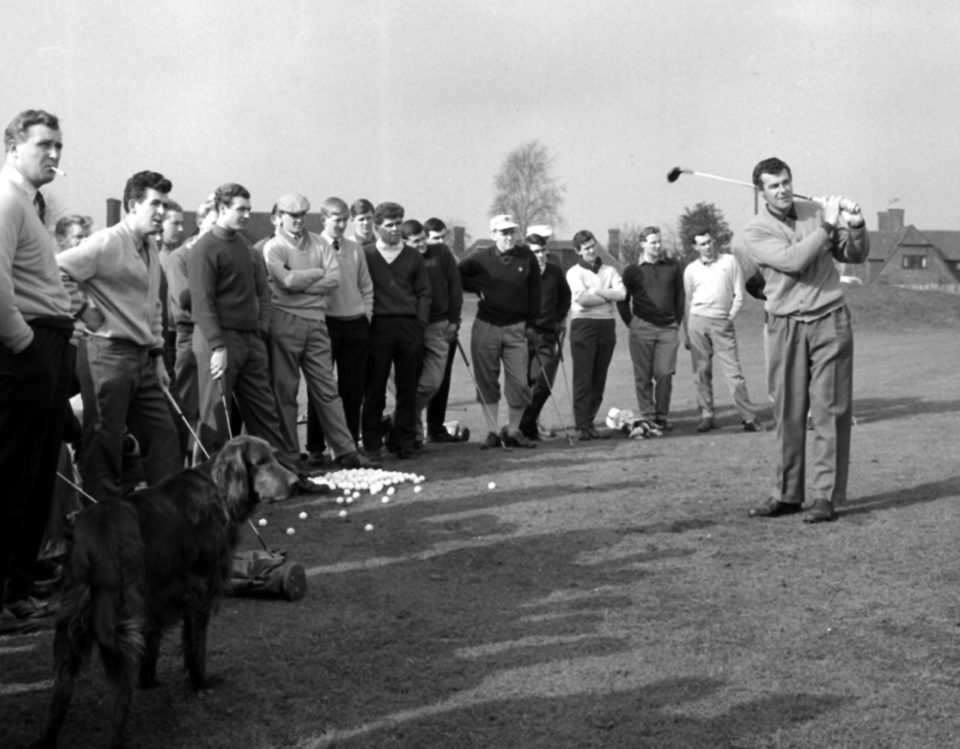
(808, 337)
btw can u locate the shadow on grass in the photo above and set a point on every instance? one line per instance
(867, 410)
(649, 716)
(929, 492)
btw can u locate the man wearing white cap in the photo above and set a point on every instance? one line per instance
(301, 271)
(506, 277)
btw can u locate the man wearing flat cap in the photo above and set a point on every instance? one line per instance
(302, 270)
(506, 278)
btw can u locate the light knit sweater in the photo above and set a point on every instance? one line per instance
(584, 284)
(301, 271)
(714, 289)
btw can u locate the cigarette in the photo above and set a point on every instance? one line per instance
(59, 171)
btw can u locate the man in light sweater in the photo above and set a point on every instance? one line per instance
(35, 365)
(401, 311)
(713, 287)
(808, 336)
(349, 311)
(506, 277)
(302, 270)
(595, 289)
(121, 368)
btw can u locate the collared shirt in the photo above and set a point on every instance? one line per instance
(122, 280)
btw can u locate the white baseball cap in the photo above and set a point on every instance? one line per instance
(502, 221)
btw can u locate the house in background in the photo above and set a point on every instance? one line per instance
(906, 256)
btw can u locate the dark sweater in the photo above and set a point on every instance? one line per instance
(507, 283)
(400, 288)
(228, 287)
(554, 299)
(654, 293)
(446, 292)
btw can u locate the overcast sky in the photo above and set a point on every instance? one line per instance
(418, 101)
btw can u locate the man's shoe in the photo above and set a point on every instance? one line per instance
(706, 424)
(594, 434)
(374, 457)
(443, 437)
(405, 453)
(774, 508)
(752, 425)
(821, 512)
(30, 608)
(583, 435)
(354, 460)
(316, 459)
(516, 439)
(418, 446)
(662, 425)
(492, 440)
(464, 434)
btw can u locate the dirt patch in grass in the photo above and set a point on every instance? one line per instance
(612, 594)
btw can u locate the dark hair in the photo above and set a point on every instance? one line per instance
(16, 131)
(359, 206)
(410, 228)
(333, 205)
(581, 238)
(434, 224)
(698, 231)
(64, 224)
(224, 195)
(537, 239)
(646, 231)
(774, 166)
(386, 211)
(138, 185)
(173, 205)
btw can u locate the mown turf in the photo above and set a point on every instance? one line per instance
(609, 595)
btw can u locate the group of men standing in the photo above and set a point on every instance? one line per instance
(239, 324)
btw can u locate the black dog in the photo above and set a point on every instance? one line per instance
(139, 565)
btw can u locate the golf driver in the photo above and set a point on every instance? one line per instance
(566, 382)
(186, 422)
(570, 440)
(483, 403)
(673, 175)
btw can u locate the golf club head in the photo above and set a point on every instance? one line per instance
(674, 174)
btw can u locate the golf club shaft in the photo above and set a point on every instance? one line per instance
(553, 397)
(186, 423)
(734, 181)
(483, 403)
(226, 408)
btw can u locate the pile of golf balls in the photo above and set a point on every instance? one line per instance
(353, 481)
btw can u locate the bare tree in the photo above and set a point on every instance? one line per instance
(526, 187)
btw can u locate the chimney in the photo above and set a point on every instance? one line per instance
(113, 211)
(613, 242)
(890, 219)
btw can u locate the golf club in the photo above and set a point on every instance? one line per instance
(483, 403)
(226, 408)
(566, 382)
(674, 174)
(570, 440)
(186, 423)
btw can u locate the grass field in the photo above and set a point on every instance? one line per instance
(612, 594)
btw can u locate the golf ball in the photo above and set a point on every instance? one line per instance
(368, 527)
(303, 516)
(290, 531)
(339, 500)
(262, 522)
(385, 499)
(342, 513)
(492, 485)
(391, 491)
(417, 489)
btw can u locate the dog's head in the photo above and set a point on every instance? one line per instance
(247, 471)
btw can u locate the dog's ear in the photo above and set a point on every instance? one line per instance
(230, 475)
